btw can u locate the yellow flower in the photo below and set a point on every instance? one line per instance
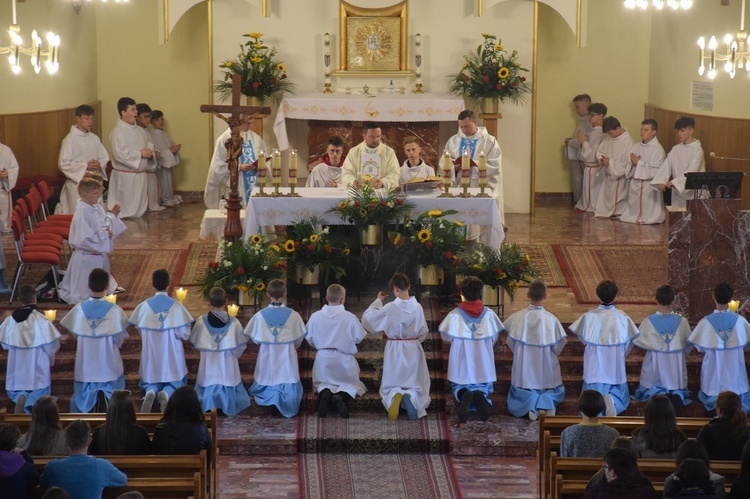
(256, 60)
(458, 223)
(346, 251)
(342, 205)
(514, 284)
(362, 212)
(257, 45)
(434, 213)
(276, 247)
(396, 239)
(242, 287)
(228, 64)
(255, 34)
(423, 235)
(503, 72)
(289, 246)
(498, 47)
(502, 276)
(487, 35)
(260, 286)
(256, 239)
(366, 178)
(313, 238)
(477, 266)
(282, 67)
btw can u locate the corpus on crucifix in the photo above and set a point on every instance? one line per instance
(238, 116)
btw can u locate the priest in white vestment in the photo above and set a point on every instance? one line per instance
(645, 201)
(169, 158)
(592, 173)
(8, 178)
(327, 171)
(81, 152)
(573, 147)
(371, 159)
(613, 156)
(685, 157)
(414, 167)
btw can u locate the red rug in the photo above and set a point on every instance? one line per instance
(637, 270)
(542, 256)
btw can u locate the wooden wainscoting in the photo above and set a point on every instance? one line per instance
(726, 137)
(35, 138)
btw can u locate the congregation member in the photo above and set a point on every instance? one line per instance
(613, 156)
(217, 182)
(573, 147)
(624, 480)
(132, 157)
(726, 435)
(608, 334)
(334, 333)
(685, 157)
(472, 330)
(406, 378)
(370, 158)
(279, 331)
(645, 201)
(589, 143)
(8, 178)
(46, 436)
(600, 477)
(414, 167)
(18, 475)
(326, 172)
(169, 159)
(589, 438)
(741, 485)
(659, 437)
(120, 434)
(536, 339)
(32, 342)
(81, 152)
(58, 493)
(219, 339)
(693, 449)
(182, 429)
(692, 479)
(143, 120)
(723, 337)
(100, 328)
(163, 323)
(664, 337)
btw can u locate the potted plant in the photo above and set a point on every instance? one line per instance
(311, 249)
(498, 268)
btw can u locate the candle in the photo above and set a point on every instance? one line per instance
(262, 167)
(327, 57)
(276, 167)
(734, 305)
(232, 310)
(111, 298)
(465, 168)
(51, 315)
(418, 57)
(180, 294)
(292, 166)
(447, 168)
(482, 166)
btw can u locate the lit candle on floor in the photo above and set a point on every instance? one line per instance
(180, 294)
(734, 305)
(51, 315)
(111, 298)
(232, 310)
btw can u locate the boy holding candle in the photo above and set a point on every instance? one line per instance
(31, 341)
(100, 328)
(219, 339)
(279, 331)
(163, 323)
(169, 159)
(327, 171)
(414, 167)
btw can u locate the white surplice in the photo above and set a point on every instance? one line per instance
(404, 365)
(91, 243)
(322, 176)
(573, 154)
(78, 148)
(335, 333)
(379, 162)
(613, 196)
(167, 161)
(408, 172)
(645, 201)
(128, 186)
(31, 346)
(277, 362)
(219, 363)
(682, 159)
(664, 363)
(592, 178)
(217, 181)
(7, 162)
(472, 357)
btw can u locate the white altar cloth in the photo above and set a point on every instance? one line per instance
(317, 201)
(212, 225)
(382, 107)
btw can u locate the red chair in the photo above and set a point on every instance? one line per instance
(37, 255)
(44, 194)
(44, 231)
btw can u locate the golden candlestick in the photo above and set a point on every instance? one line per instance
(482, 170)
(232, 310)
(262, 179)
(276, 171)
(292, 172)
(447, 172)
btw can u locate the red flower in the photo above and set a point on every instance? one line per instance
(371, 205)
(283, 76)
(513, 84)
(256, 85)
(212, 265)
(240, 270)
(466, 78)
(519, 268)
(499, 271)
(523, 78)
(399, 201)
(275, 265)
(273, 81)
(448, 255)
(485, 79)
(356, 204)
(428, 244)
(329, 249)
(296, 244)
(384, 203)
(499, 86)
(310, 247)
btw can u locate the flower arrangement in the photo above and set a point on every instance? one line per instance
(245, 266)
(505, 267)
(263, 76)
(491, 73)
(309, 244)
(431, 240)
(367, 206)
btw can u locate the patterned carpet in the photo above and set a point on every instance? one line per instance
(543, 257)
(377, 476)
(199, 255)
(637, 270)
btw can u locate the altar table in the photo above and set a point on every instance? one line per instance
(212, 225)
(317, 201)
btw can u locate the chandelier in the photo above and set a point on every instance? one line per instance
(35, 51)
(736, 56)
(659, 4)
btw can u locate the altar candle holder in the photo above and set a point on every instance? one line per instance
(111, 298)
(51, 315)
(734, 305)
(261, 172)
(447, 171)
(180, 294)
(482, 167)
(293, 173)
(232, 310)
(276, 172)
(465, 173)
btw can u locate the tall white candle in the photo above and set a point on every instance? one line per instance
(327, 57)
(418, 57)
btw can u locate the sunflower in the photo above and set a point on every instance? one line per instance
(396, 239)
(313, 238)
(498, 47)
(342, 205)
(281, 67)
(423, 235)
(503, 72)
(289, 246)
(458, 223)
(256, 239)
(257, 45)
(434, 213)
(276, 247)
(242, 287)
(255, 34)
(346, 251)
(256, 60)
(260, 286)
(366, 177)
(228, 64)
(362, 212)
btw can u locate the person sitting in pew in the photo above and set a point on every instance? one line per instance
(589, 438)
(182, 429)
(621, 470)
(120, 435)
(693, 449)
(18, 476)
(600, 477)
(725, 436)
(691, 480)
(57, 493)
(741, 486)
(46, 436)
(659, 437)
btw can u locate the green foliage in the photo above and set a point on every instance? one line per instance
(367, 206)
(310, 243)
(430, 240)
(504, 267)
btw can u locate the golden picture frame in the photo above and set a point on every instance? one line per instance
(372, 40)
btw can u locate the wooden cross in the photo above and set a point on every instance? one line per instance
(238, 116)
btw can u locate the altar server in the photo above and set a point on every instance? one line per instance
(370, 158)
(81, 152)
(169, 158)
(100, 328)
(573, 147)
(664, 337)
(406, 378)
(217, 182)
(335, 333)
(414, 167)
(219, 339)
(608, 334)
(472, 330)
(536, 338)
(143, 120)
(279, 331)
(613, 156)
(32, 342)
(645, 201)
(723, 337)
(477, 139)
(685, 157)
(92, 234)
(592, 179)
(8, 178)
(163, 323)
(327, 171)
(132, 157)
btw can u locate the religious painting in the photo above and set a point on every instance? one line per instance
(372, 40)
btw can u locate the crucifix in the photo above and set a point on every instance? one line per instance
(239, 115)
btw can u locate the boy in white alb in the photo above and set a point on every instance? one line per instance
(81, 152)
(723, 337)
(573, 147)
(335, 333)
(536, 338)
(143, 120)
(685, 157)
(92, 234)
(32, 342)
(414, 167)
(472, 330)
(592, 179)
(608, 334)
(279, 331)
(645, 201)
(100, 328)
(8, 178)
(326, 172)
(406, 378)
(664, 337)
(169, 158)
(164, 323)
(614, 157)
(219, 339)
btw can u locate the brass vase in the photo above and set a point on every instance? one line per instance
(253, 101)
(432, 275)
(308, 277)
(247, 298)
(372, 235)
(489, 105)
(490, 295)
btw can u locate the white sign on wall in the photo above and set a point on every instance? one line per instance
(702, 95)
